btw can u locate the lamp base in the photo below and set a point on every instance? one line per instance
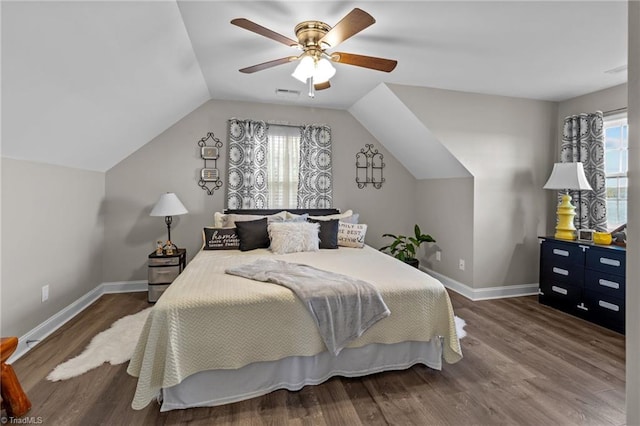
(565, 230)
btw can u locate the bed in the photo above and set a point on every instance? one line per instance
(214, 338)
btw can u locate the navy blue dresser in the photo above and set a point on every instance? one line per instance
(585, 280)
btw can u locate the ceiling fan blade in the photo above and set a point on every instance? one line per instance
(266, 32)
(355, 21)
(380, 64)
(322, 86)
(265, 65)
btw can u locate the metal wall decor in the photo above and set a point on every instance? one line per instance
(369, 165)
(210, 175)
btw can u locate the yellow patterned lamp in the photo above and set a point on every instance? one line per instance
(565, 177)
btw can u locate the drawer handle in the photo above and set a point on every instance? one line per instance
(609, 306)
(581, 306)
(607, 283)
(559, 252)
(165, 271)
(164, 262)
(559, 290)
(561, 271)
(610, 262)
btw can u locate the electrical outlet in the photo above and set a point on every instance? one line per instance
(438, 255)
(461, 264)
(45, 293)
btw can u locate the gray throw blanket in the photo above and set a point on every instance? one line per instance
(343, 307)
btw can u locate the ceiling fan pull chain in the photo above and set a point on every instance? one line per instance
(312, 93)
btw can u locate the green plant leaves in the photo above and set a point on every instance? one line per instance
(405, 248)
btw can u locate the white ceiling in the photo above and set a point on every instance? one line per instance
(84, 84)
(543, 50)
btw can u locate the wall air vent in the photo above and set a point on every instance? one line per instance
(287, 93)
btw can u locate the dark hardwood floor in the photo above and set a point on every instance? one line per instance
(524, 364)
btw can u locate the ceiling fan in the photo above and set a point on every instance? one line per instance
(314, 39)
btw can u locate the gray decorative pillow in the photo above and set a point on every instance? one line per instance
(220, 239)
(253, 234)
(328, 233)
(293, 237)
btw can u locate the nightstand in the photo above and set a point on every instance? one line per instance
(163, 269)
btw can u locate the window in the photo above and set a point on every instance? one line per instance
(283, 166)
(278, 166)
(616, 145)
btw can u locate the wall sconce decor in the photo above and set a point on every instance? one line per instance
(210, 175)
(369, 165)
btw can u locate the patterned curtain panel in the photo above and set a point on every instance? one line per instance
(247, 180)
(583, 141)
(315, 189)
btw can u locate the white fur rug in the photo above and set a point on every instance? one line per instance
(116, 346)
(460, 324)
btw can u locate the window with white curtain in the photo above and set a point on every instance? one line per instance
(616, 142)
(283, 161)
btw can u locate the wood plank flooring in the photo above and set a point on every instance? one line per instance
(524, 364)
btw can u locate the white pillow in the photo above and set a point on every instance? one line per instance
(231, 218)
(292, 237)
(351, 234)
(219, 219)
(342, 216)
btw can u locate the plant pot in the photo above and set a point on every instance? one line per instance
(413, 262)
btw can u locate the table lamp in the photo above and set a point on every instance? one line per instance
(565, 177)
(168, 205)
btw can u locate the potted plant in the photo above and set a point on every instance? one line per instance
(405, 248)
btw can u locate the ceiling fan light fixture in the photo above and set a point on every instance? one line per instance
(305, 69)
(314, 38)
(323, 71)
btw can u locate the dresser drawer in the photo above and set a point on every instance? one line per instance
(163, 274)
(562, 254)
(609, 261)
(608, 284)
(606, 311)
(562, 273)
(559, 294)
(164, 261)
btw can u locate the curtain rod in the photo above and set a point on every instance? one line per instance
(614, 111)
(296, 126)
(275, 123)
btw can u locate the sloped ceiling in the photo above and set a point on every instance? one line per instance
(414, 146)
(84, 84)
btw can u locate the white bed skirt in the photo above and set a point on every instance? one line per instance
(218, 387)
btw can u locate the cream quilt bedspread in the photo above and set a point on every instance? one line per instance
(210, 320)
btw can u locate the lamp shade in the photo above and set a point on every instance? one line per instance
(568, 176)
(323, 72)
(168, 205)
(305, 69)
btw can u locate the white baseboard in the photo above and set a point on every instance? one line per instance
(484, 293)
(30, 339)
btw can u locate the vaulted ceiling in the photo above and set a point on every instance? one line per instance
(84, 84)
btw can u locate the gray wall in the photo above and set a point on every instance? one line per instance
(171, 163)
(602, 100)
(52, 234)
(507, 145)
(445, 211)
